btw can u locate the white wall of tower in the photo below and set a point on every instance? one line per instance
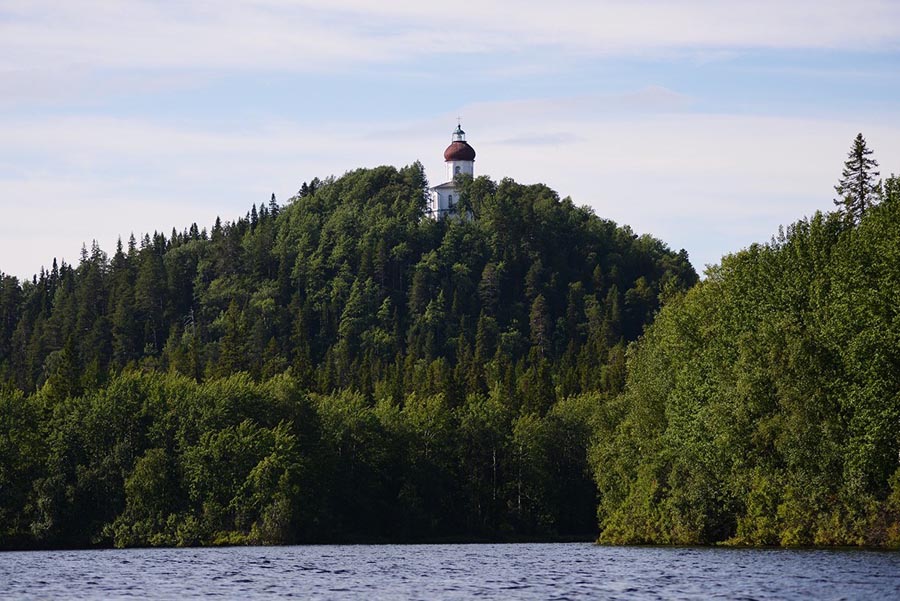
(454, 167)
(442, 200)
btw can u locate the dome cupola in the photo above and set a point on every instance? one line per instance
(459, 149)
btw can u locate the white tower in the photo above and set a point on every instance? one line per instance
(460, 159)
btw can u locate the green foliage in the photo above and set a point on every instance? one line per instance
(345, 369)
(22, 453)
(341, 368)
(763, 406)
(859, 187)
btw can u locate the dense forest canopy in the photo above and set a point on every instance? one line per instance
(763, 407)
(340, 368)
(344, 368)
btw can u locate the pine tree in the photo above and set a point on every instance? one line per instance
(859, 187)
(891, 189)
(232, 344)
(540, 324)
(489, 289)
(150, 297)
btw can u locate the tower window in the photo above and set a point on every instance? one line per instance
(450, 199)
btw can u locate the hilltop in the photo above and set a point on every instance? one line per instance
(339, 368)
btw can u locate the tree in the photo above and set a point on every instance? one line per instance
(859, 187)
(489, 288)
(540, 324)
(232, 344)
(891, 189)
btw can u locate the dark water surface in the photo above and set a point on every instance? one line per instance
(520, 571)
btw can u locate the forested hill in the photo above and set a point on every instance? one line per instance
(340, 283)
(763, 407)
(338, 368)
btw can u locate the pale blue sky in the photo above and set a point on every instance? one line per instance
(704, 123)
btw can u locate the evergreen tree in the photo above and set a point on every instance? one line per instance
(891, 191)
(489, 288)
(232, 344)
(859, 187)
(539, 324)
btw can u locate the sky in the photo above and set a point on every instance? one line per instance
(704, 123)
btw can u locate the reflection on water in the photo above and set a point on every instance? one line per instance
(521, 571)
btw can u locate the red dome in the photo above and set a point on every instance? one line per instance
(459, 151)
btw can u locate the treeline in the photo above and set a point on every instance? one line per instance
(341, 368)
(160, 459)
(763, 407)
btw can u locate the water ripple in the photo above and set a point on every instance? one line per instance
(526, 571)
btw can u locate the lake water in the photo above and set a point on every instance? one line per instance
(519, 571)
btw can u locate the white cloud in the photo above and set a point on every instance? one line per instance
(638, 25)
(39, 35)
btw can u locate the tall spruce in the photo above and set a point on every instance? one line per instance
(859, 187)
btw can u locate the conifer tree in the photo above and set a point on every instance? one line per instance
(232, 344)
(489, 288)
(891, 191)
(540, 326)
(859, 187)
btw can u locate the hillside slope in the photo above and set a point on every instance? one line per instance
(763, 407)
(342, 368)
